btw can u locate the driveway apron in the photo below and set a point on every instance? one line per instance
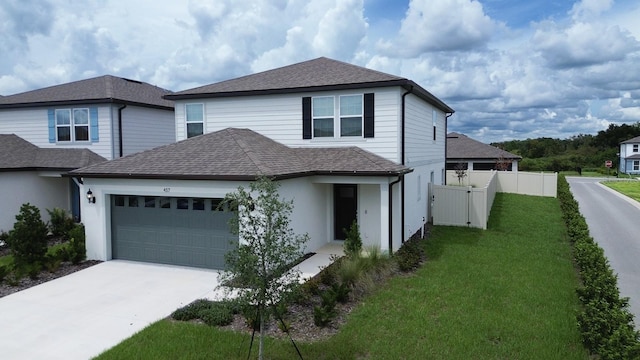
(80, 315)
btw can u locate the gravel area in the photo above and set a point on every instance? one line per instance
(65, 268)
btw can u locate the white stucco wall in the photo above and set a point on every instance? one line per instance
(45, 192)
(309, 215)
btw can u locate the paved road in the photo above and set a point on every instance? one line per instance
(614, 223)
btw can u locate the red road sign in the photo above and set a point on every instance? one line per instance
(608, 163)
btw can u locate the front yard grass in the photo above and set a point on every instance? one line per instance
(504, 293)
(628, 188)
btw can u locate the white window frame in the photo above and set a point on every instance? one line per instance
(72, 125)
(351, 116)
(337, 117)
(188, 122)
(636, 165)
(635, 148)
(434, 121)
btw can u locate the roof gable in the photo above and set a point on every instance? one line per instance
(103, 89)
(19, 154)
(240, 154)
(632, 140)
(312, 75)
(463, 147)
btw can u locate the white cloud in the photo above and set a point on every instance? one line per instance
(440, 25)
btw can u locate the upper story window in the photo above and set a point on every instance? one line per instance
(434, 120)
(338, 116)
(351, 115)
(194, 115)
(72, 125)
(635, 148)
(323, 114)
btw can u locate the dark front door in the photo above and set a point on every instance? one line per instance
(345, 207)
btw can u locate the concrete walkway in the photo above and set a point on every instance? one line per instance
(80, 315)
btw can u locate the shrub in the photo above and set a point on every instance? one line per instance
(61, 222)
(191, 311)
(410, 255)
(323, 316)
(28, 239)
(218, 314)
(352, 242)
(4, 271)
(77, 249)
(340, 292)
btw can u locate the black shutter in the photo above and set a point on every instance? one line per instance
(306, 118)
(368, 115)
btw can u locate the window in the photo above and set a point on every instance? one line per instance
(323, 116)
(198, 204)
(338, 116)
(164, 203)
(351, 115)
(149, 201)
(72, 125)
(636, 165)
(635, 148)
(183, 203)
(194, 114)
(119, 201)
(434, 120)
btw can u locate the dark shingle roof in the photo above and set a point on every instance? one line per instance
(312, 75)
(633, 140)
(241, 154)
(19, 154)
(103, 89)
(462, 147)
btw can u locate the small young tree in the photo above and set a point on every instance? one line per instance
(353, 242)
(502, 163)
(261, 264)
(461, 171)
(28, 239)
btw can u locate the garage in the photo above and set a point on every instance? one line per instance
(171, 230)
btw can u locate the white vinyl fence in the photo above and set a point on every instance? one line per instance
(469, 202)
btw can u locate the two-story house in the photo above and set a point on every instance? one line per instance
(63, 127)
(344, 142)
(630, 156)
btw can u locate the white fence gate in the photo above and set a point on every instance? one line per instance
(469, 204)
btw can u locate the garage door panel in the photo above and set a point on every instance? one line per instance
(170, 235)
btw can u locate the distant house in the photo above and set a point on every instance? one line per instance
(630, 156)
(475, 155)
(344, 142)
(63, 127)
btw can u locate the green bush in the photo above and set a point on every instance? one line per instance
(4, 271)
(410, 255)
(339, 292)
(60, 221)
(191, 311)
(352, 242)
(28, 239)
(218, 314)
(77, 249)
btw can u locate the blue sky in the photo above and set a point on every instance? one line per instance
(510, 69)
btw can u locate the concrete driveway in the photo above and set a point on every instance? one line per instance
(78, 316)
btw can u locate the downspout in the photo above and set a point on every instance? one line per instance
(446, 123)
(402, 154)
(391, 212)
(120, 141)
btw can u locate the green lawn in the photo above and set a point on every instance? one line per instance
(628, 188)
(504, 293)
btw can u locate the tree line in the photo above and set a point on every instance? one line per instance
(582, 151)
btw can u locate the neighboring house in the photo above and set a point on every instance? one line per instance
(475, 155)
(630, 156)
(108, 115)
(345, 143)
(29, 174)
